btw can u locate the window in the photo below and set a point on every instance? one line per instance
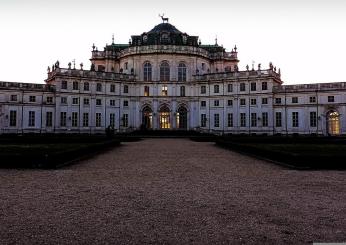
(49, 100)
(264, 101)
(49, 119)
(277, 100)
(203, 66)
(63, 119)
(126, 89)
(125, 103)
(75, 101)
(253, 86)
(203, 120)
(85, 119)
(330, 98)
(216, 120)
(99, 87)
(295, 100)
(295, 119)
(312, 99)
(242, 101)
(112, 88)
(216, 89)
(98, 119)
(31, 119)
(147, 71)
(230, 120)
(75, 85)
(253, 101)
(126, 120)
(98, 102)
(74, 119)
(265, 119)
(64, 85)
(203, 103)
(203, 89)
(181, 72)
(253, 120)
(112, 102)
(86, 101)
(126, 65)
(264, 86)
(242, 87)
(230, 102)
(278, 119)
(86, 86)
(164, 71)
(164, 91)
(63, 100)
(112, 120)
(313, 119)
(242, 119)
(230, 88)
(13, 118)
(13, 97)
(182, 90)
(146, 90)
(216, 102)
(32, 98)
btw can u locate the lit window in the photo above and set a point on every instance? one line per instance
(164, 90)
(146, 90)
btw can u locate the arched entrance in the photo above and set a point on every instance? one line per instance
(333, 123)
(164, 118)
(182, 118)
(147, 118)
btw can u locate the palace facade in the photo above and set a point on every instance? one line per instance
(166, 79)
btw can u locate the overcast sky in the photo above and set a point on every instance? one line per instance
(305, 38)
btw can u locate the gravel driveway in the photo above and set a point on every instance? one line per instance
(172, 191)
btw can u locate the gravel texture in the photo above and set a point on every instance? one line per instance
(172, 191)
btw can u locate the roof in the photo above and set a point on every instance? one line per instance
(165, 27)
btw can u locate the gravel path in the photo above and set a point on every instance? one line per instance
(172, 191)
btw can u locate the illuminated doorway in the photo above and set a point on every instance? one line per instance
(147, 119)
(165, 118)
(182, 118)
(333, 123)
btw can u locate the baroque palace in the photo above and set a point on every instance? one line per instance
(166, 79)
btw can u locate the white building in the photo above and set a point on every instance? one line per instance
(166, 79)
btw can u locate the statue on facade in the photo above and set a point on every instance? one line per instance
(48, 69)
(247, 67)
(271, 66)
(57, 64)
(69, 65)
(92, 68)
(81, 66)
(259, 66)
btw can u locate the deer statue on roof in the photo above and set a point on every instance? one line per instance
(163, 19)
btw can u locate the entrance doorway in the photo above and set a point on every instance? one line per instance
(182, 118)
(333, 123)
(147, 119)
(164, 118)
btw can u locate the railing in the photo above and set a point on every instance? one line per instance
(28, 86)
(310, 87)
(225, 75)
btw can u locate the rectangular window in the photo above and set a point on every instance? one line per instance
(86, 86)
(264, 119)
(253, 120)
(203, 89)
(253, 101)
(203, 103)
(125, 120)
(32, 98)
(86, 101)
(216, 102)
(230, 88)
(31, 119)
(85, 119)
(230, 102)
(75, 85)
(63, 119)
(242, 119)
(98, 119)
(182, 90)
(242, 101)
(312, 99)
(112, 102)
(264, 101)
(313, 119)
(13, 118)
(216, 89)
(99, 87)
(112, 88)
(278, 119)
(230, 120)
(242, 87)
(49, 100)
(253, 86)
(264, 86)
(49, 119)
(74, 119)
(63, 100)
(216, 120)
(13, 97)
(164, 91)
(295, 119)
(75, 101)
(98, 102)
(203, 120)
(112, 120)
(126, 89)
(330, 98)
(295, 100)
(64, 85)
(126, 103)
(277, 100)
(146, 90)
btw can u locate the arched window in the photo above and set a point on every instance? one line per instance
(181, 72)
(164, 71)
(147, 71)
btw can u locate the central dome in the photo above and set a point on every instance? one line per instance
(165, 27)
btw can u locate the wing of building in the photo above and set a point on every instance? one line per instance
(166, 79)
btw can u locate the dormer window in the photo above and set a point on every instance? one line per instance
(164, 38)
(184, 39)
(145, 38)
